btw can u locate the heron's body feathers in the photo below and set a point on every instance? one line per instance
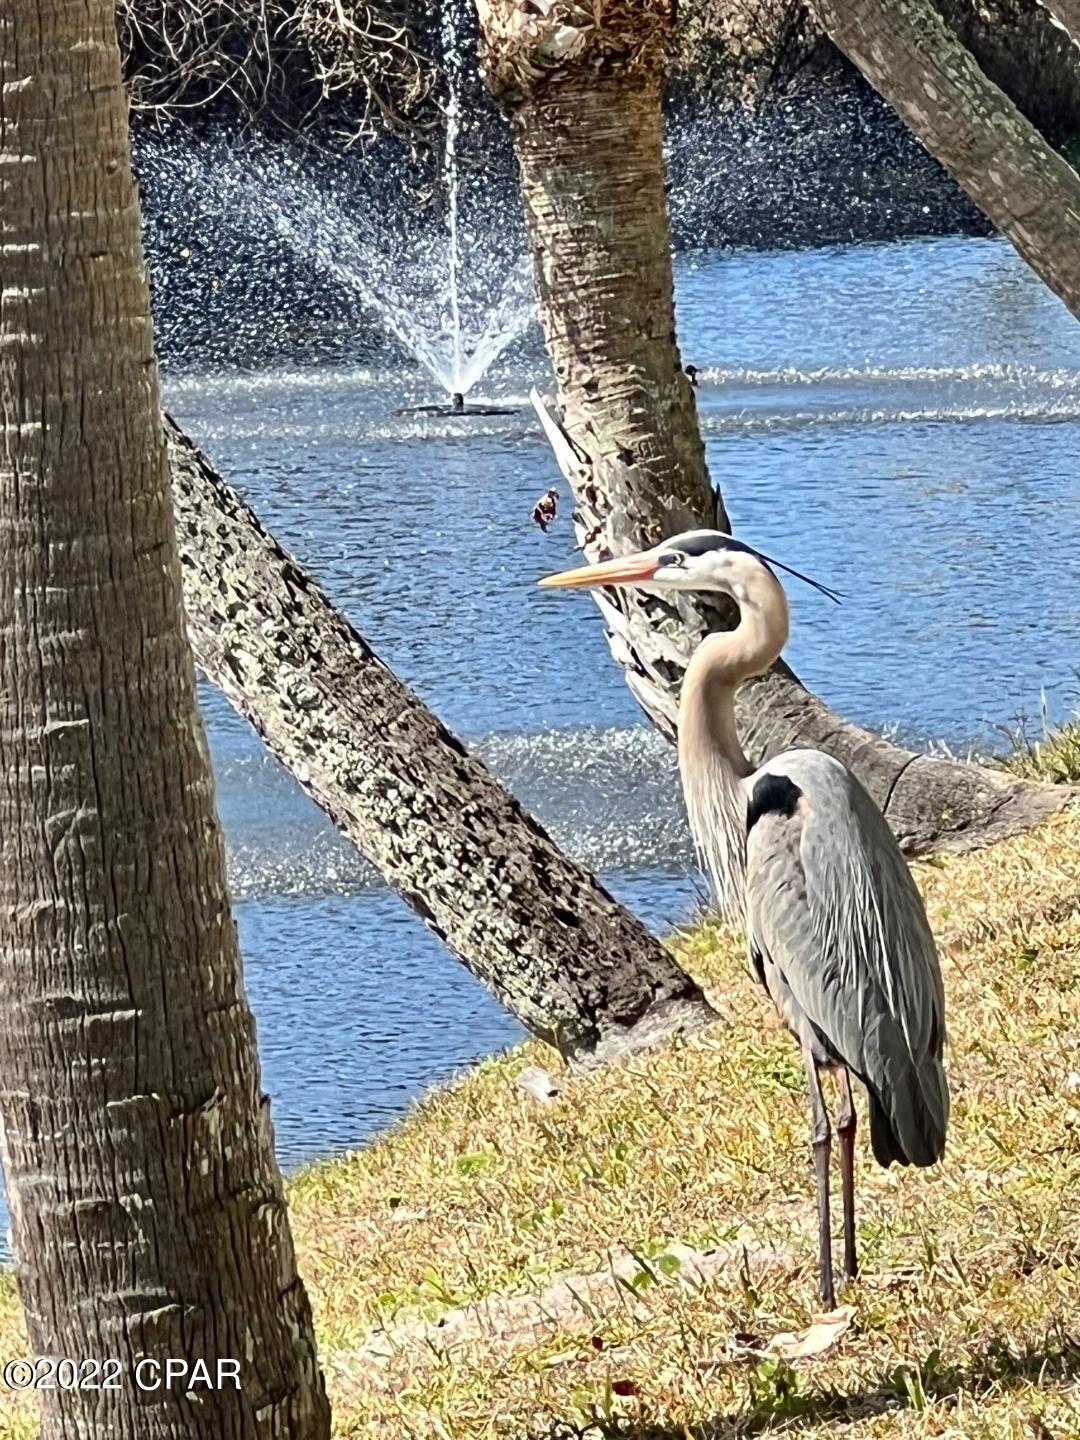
(840, 936)
(800, 854)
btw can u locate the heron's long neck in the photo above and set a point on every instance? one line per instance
(711, 759)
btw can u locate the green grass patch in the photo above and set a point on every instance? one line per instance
(1046, 752)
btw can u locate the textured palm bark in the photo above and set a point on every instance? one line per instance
(971, 126)
(147, 1212)
(584, 104)
(572, 964)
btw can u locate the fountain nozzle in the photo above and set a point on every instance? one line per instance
(457, 403)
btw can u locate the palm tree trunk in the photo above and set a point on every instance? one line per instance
(1024, 186)
(584, 105)
(574, 966)
(147, 1212)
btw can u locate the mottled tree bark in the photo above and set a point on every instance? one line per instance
(584, 104)
(1024, 186)
(756, 51)
(572, 964)
(1020, 48)
(147, 1212)
(1067, 15)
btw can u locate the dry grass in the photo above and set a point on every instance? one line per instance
(967, 1319)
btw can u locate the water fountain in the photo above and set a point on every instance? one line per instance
(427, 248)
(414, 283)
(459, 369)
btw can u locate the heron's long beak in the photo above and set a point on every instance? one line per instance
(626, 570)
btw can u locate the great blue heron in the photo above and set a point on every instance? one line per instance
(803, 858)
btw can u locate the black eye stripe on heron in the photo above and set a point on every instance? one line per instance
(702, 544)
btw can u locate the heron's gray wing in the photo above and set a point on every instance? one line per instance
(831, 902)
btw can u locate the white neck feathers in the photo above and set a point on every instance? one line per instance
(711, 760)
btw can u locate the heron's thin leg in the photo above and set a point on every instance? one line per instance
(821, 1139)
(845, 1128)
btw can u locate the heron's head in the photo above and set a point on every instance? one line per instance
(695, 560)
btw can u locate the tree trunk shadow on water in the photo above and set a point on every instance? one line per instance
(776, 1403)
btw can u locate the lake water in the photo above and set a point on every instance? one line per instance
(901, 421)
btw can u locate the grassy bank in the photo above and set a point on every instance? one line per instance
(966, 1322)
(1051, 753)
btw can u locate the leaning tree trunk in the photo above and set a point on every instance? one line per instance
(584, 103)
(1025, 51)
(147, 1213)
(1066, 15)
(571, 963)
(751, 52)
(1019, 182)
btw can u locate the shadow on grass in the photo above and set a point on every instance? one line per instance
(778, 1399)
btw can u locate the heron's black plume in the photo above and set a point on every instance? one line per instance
(704, 540)
(835, 596)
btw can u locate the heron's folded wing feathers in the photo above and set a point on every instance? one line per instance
(830, 899)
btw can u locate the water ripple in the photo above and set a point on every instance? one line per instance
(1023, 376)
(609, 797)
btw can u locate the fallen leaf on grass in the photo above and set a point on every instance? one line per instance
(821, 1335)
